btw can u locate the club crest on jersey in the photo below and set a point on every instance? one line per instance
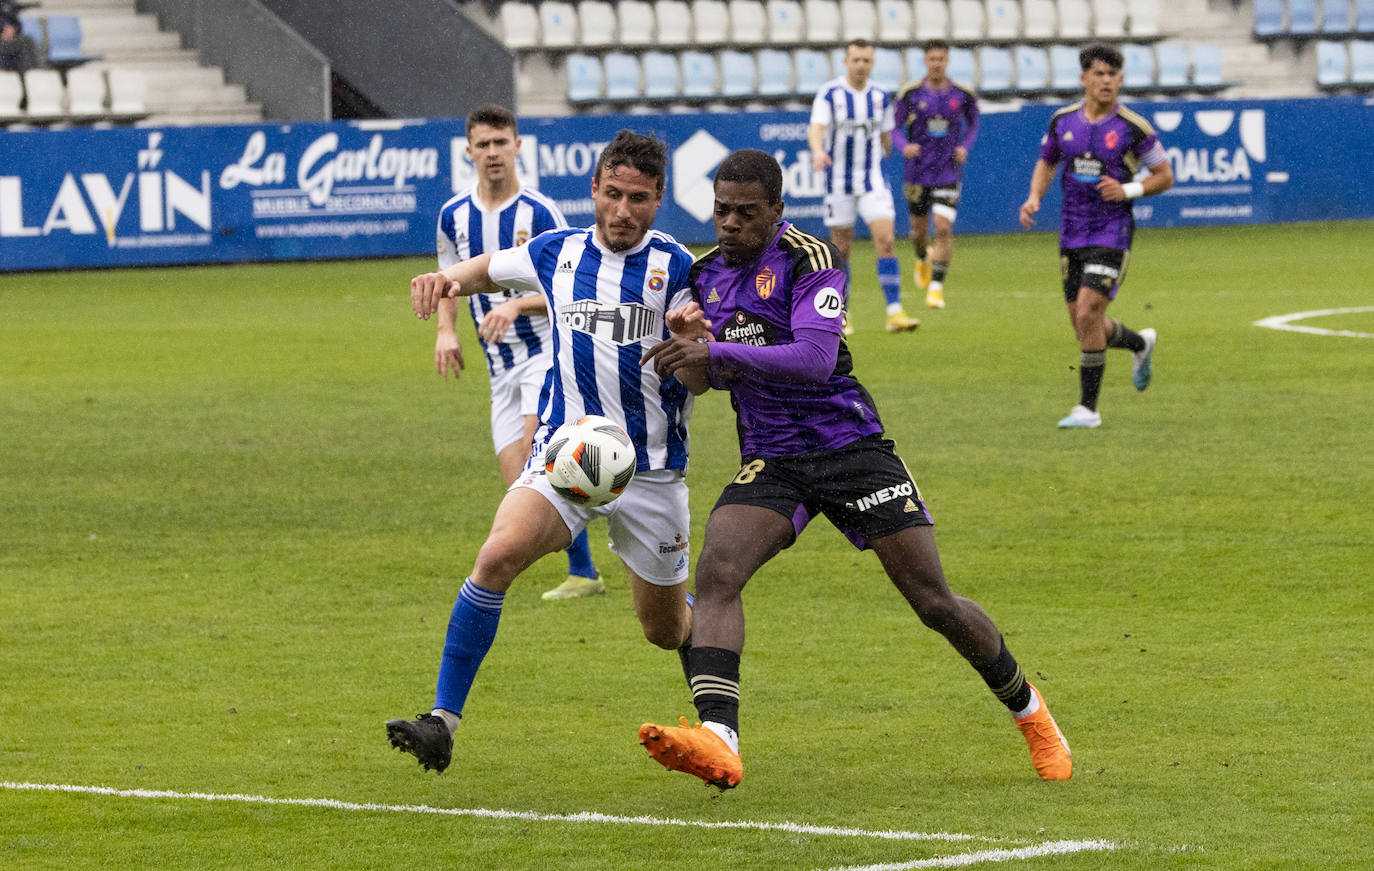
(521, 237)
(764, 282)
(619, 324)
(658, 279)
(1111, 138)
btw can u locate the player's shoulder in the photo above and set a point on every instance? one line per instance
(538, 198)
(908, 89)
(704, 262)
(1063, 114)
(1134, 120)
(453, 203)
(969, 93)
(807, 252)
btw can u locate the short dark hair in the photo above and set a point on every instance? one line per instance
(1108, 54)
(857, 42)
(932, 44)
(751, 165)
(492, 115)
(648, 154)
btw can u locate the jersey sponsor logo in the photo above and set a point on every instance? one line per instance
(1087, 168)
(1101, 269)
(764, 282)
(713, 296)
(937, 126)
(746, 328)
(658, 279)
(678, 543)
(618, 324)
(828, 303)
(565, 266)
(883, 496)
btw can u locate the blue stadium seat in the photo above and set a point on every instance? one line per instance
(660, 75)
(1139, 71)
(622, 75)
(1364, 16)
(995, 66)
(698, 74)
(1302, 17)
(737, 73)
(889, 71)
(775, 72)
(585, 78)
(1172, 65)
(1336, 16)
(1362, 61)
(1065, 70)
(1032, 68)
(1207, 66)
(64, 41)
(963, 67)
(1333, 64)
(813, 69)
(1268, 18)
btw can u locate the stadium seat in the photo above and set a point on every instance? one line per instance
(748, 22)
(45, 93)
(557, 24)
(128, 91)
(822, 20)
(931, 18)
(1336, 16)
(86, 91)
(597, 22)
(1039, 20)
(1109, 18)
(837, 67)
(699, 74)
(1364, 16)
(775, 73)
(1003, 19)
(858, 19)
(585, 78)
(813, 69)
(32, 26)
(966, 20)
(674, 19)
(889, 72)
(1268, 18)
(11, 94)
(894, 21)
(1065, 71)
(710, 22)
(1144, 16)
(1302, 17)
(622, 75)
(636, 22)
(1362, 62)
(1333, 64)
(64, 41)
(995, 70)
(1032, 68)
(660, 75)
(1075, 19)
(785, 21)
(1138, 73)
(1207, 66)
(738, 73)
(1171, 64)
(519, 25)
(963, 66)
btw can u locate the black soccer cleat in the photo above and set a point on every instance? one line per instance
(426, 738)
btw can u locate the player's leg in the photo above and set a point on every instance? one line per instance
(1141, 344)
(1086, 310)
(839, 220)
(879, 213)
(918, 204)
(943, 212)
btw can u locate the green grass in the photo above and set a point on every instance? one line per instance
(236, 504)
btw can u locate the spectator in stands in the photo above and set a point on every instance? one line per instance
(937, 124)
(1103, 144)
(18, 52)
(850, 135)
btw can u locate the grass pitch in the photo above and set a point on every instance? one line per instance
(236, 504)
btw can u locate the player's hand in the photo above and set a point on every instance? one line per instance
(448, 354)
(1028, 210)
(1111, 190)
(911, 150)
(677, 352)
(494, 323)
(426, 291)
(689, 321)
(819, 161)
(960, 154)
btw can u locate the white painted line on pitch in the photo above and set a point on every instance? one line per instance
(963, 860)
(1285, 322)
(485, 813)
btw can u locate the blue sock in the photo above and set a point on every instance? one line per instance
(580, 557)
(471, 630)
(890, 277)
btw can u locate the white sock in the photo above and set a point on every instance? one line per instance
(894, 308)
(451, 720)
(937, 285)
(728, 735)
(1029, 709)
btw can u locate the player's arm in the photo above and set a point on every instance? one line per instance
(815, 138)
(1041, 179)
(683, 355)
(448, 349)
(460, 279)
(495, 322)
(971, 117)
(1160, 179)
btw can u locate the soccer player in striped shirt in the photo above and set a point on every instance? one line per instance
(770, 297)
(498, 212)
(850, 134)
(608, 288)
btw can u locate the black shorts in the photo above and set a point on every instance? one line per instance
(919, 198)
(864, 488)
(1100, 268)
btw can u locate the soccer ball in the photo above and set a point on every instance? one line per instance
(590, 462)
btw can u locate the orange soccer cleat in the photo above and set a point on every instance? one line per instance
(1049, 751)
(694, 750)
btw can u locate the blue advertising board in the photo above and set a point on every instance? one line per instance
(128, 196)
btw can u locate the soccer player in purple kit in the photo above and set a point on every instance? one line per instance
(767, 305)
(1103, 144)
(937, 124)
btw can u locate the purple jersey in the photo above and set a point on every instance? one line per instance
(939, 120)
(1114, 147)
(796, 283)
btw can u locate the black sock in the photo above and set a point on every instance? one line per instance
(715, 685)
(920, 250)
(1123, 336)
(938, 269)
(1090, 367)
(1006, 681)
(684, 653)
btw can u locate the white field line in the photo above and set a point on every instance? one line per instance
(485, 813)
(963, 860)
(1285, 322)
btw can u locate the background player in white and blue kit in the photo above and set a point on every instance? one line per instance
(608, 287)
(849, 135)
(498, 212)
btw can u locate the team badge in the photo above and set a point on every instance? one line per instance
(521, 237)
(658, 279)
(1111, 138)
(764, 282)
(954, 102)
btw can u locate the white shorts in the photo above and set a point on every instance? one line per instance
(515, 394)
(875, 205)
(650, 523)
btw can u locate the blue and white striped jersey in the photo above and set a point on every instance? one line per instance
(855, 122)
(467, 229)
(608, 309)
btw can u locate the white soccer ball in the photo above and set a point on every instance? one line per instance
(591, 461)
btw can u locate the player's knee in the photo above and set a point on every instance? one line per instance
(668, 634)
(937, 608)
(499, 559)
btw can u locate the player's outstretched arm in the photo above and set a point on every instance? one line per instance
(460, 279)
(495, 322)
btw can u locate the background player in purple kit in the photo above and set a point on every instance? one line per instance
(1104, 145)
(768, 300)
(937, 124)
